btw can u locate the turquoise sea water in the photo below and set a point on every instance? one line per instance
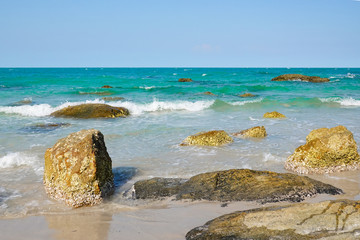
(163, 112)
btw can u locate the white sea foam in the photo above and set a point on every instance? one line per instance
(155, 106)
(268, 157)
(147, 88)
(342, 101)
(204, 74)
(239, 103)
(16, 159)
(41, 110)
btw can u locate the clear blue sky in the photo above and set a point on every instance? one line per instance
(178, 33)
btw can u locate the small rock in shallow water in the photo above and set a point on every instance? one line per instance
(325, 220)
(274, 115)
(254, 132)
(211, 138)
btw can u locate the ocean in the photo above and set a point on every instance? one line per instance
(163, 113)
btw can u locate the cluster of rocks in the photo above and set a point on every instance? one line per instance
(78, 171)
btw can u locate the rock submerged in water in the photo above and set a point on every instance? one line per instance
(78, 169)
(236, 185)
(325, 220)
(300, 77)
(274, 115)
(326, 150)
(91, 110)
(254, 132)
(209, 93)
(247, 95)
(106, 86)
(211, 138)
(112, 98)
(185, 80)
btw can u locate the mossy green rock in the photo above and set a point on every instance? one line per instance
(254, 132)
(338, 220)
(300, 77)
(236, 185)
(211, 138)
(325, 151)
(91, 111)
(274, 115)
(78, 169)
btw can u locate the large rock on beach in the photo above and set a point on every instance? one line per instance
(78, 169)
(91, 110)
(326, 150)
(211, 138)
(236, 185)
(185, 80)
(300, 77)
(274, 115)
(338, 219)
(254, 132)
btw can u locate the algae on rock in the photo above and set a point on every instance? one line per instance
(78, 169)
(325, 151)
(91, 110)
(211, 138)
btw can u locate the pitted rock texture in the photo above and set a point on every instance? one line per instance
(274, 115)
(78, 169)
(254, 132)
(211, 138)
(91, 110)
(338, 220)
(326, 150)
(300, 77)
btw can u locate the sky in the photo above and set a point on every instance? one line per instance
(169, 33)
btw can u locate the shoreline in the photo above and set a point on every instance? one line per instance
(160, 219)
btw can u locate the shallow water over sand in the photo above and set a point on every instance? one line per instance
(164, 112)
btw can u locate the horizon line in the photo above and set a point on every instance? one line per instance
(177, 67)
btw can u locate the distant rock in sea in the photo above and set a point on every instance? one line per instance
(209, 93)
(92, 110)
(78, 169)
(274, 115)
(112, 98)
(300, 77)
(185, 80)
(235, 185)
(106, 86)
(247, 95)
(211, 138)
(254, 132)
(326, 150)
(337, 219)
